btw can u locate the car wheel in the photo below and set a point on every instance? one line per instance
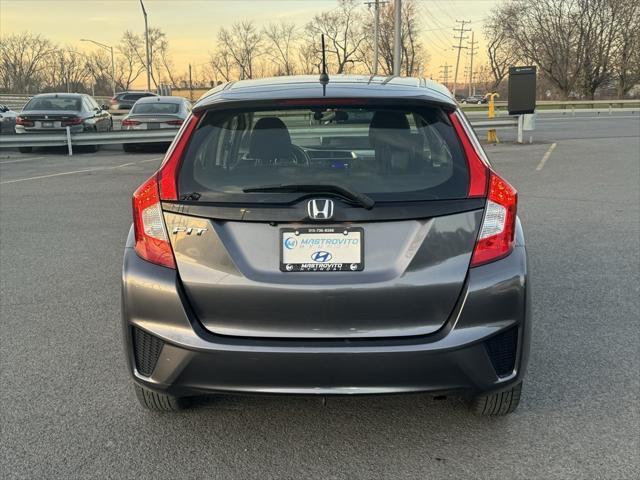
(128, 148)
(92, 148)
(25, 149)
(158, 402)
(498, 404)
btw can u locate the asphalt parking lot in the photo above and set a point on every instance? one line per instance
(67, 405)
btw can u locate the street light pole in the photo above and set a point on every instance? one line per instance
(113, 63)
(146, 41)
(397, 35)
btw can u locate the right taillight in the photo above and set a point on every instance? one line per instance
(152, 241)
(129, 123)
(497, 233)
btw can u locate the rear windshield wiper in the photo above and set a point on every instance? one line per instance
(356, 197)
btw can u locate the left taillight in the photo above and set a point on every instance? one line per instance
(24, 122)
(152, 241)
(174, 122)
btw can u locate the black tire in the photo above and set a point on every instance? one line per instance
(128, 148)
(92, 148)
(498, 404)
(25, 149)
(158, 402)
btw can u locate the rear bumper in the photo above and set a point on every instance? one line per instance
(74, 129)
(460, 358)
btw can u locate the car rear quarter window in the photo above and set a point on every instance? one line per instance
(391, 154)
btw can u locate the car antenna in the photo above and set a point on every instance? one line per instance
(324, 76)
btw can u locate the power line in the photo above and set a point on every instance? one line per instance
(461, 37)
(444, 73)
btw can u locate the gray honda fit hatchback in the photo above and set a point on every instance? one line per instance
(348, 238)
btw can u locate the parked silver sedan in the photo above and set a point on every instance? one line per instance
(154, 113)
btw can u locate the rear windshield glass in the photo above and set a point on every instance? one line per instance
(136, 96)
(156, 108)
(387, 153)
(53, 103)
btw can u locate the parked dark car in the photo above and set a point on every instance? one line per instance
(156, 113)
(477, 99)
(126, 100)
(54, 112)
(275, 252)
(7, 119)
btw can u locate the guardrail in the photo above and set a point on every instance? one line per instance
(70, 140)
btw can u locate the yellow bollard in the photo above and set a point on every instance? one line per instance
(492, 136)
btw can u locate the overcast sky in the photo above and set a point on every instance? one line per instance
(191, 25)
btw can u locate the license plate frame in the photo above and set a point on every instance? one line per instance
(327, 245)
(46, 124)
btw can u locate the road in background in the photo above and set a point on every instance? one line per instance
(68, 410)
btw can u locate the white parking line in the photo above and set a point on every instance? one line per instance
(21, 160)
(546, 157)
(39, 177)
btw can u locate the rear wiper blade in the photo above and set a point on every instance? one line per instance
(356, 197)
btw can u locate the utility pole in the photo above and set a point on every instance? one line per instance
(397, 38)
(472, 49)
(190, 85)
(376, 32)
(146, 41)
(444, 73)
(461, 30)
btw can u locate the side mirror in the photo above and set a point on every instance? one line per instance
(104, 107)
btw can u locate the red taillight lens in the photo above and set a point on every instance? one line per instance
(24, 122)
(128, 123)
(478, 167)
(113, 101)
(152, 241)
(497, 234)
(71, 121)
(174, 122)
(168, 172)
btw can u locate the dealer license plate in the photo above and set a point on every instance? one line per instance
(322, 249)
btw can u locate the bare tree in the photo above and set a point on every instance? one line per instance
(626, 52)
(550, 33)
(281, 38)
(22, 58)
(414, 56)
(600, 21)
(309, 56)
(129, 67)
(501, 51)
(243, 42)
(133, 46)
(221, 64)
(342, 28)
